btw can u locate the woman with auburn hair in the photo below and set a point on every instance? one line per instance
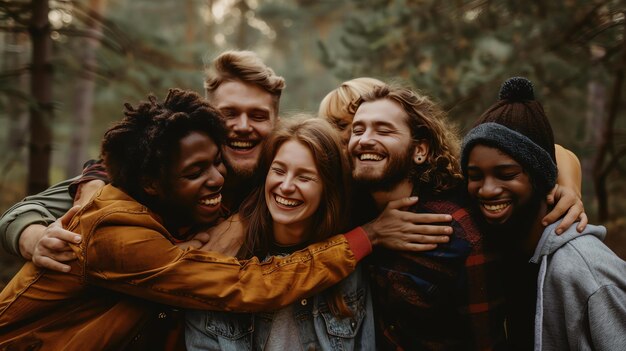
(337, 106)
(303, 196)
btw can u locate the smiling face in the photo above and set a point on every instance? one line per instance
(293, 190)
(499, 184)
(381, 145)
(250, 115)
(191, 194)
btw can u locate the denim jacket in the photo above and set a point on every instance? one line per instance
(317, 327)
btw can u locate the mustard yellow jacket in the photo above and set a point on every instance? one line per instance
(128, 265)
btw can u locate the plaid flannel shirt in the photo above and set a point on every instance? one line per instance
(449, 298)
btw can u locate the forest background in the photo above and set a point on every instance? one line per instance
(66, 68)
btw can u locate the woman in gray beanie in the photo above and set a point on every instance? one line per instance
(573, 283)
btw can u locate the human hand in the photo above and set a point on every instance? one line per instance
(226, 237)
(397, 229)
(86, 190)
(196, 242)
(52, 246)
(567, 204)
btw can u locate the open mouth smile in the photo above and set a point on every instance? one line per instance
(370, 156)
(287, 202)
(496, 208)
(242, 145)
(212, 200)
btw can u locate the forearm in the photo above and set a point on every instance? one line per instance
(570, 174)
(43, 208)
(195, 279)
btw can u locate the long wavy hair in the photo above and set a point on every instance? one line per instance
(332, 215)
(427, 121)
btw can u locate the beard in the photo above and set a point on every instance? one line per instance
(397, 169)
(238, 172)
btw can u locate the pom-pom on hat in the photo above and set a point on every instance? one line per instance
(516, 89)
(517, 125)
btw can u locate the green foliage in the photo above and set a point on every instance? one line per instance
(459, 52)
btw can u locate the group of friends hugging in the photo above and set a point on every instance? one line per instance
(210, 223)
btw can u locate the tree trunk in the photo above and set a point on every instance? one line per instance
(40, 145)
(16, 60)
(605, 160)
(596, 114)
(83, 99)
(191, 13)
(242, 31)
(17, 110)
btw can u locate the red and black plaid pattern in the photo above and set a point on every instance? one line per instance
(445, 299)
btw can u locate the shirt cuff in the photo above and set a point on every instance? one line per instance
(92, 170)
(14, 230)
(359, 243)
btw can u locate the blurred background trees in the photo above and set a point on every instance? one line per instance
(66, 67)
(459, 51)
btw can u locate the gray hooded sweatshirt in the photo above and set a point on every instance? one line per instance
(581, 292)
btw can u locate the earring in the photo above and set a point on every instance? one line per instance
(419, 158)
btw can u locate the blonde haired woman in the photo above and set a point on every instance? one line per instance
(336, 107)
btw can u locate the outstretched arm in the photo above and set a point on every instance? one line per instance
(398, 229)
(144, 263)
(395, 228)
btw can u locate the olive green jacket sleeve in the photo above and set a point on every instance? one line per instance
(43, 208)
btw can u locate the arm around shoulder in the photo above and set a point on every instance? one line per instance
(144, 263)
(570, 171)
(43, 208)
